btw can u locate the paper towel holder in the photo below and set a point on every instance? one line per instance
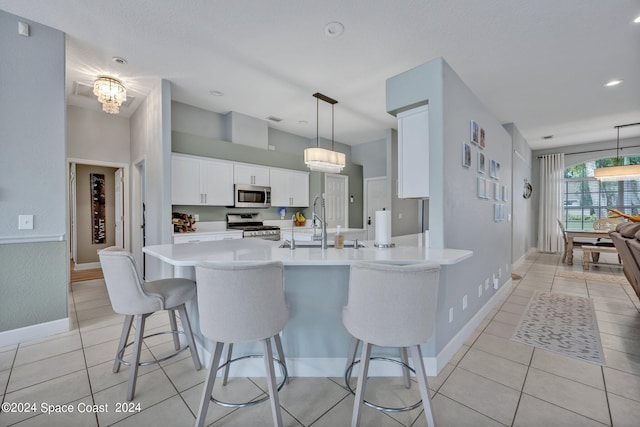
(384, 245)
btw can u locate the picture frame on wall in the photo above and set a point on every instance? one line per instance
(496, 191)
(497, 171)
(482, 138)
(482, 188)
(505, 193)
(492, 169)
(481, 163)
(475, 132)
(466, 155)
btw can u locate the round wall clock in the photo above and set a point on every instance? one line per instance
(527, 190)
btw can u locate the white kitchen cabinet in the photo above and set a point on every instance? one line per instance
(250, 174)
(201, 181)
(413, 153)
(289, 188)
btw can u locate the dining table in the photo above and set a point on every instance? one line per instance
(582, 234)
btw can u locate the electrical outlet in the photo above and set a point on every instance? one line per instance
(464, 303)
(496, 283)
(480, 290)
(196, 217)
(486, 284)
(499, 272)
(451, 315)
(25, 222)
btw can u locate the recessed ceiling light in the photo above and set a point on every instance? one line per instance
(216, 93)
(547, 137)
(119, 60)
(614, 82)
(334, 29)
(637, 20)
(303, 122)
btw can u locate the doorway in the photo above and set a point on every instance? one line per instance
(375, 199)
(336, 193)
(83, 242)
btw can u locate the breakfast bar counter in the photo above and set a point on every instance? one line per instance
(316, 285)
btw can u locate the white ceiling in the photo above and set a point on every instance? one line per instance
(540, 64)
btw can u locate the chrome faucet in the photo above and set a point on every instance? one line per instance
(323, 235)
(292, 242)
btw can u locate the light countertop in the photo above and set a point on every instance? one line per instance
(409, 250)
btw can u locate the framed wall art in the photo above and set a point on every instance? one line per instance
(466, 155)
(98, 209)
(481, 164)
(475, 132)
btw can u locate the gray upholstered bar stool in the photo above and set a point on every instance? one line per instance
(134, 298)
(242, 303)
(391, 306)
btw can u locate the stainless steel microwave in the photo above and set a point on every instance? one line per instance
(252, 196)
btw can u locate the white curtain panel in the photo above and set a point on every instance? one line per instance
(551, 179)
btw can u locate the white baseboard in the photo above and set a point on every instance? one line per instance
(517, 263)
(335, 366)
(87, 266)
(34, 332)
(440, 361)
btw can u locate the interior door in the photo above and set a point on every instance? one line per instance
(336, 193)
(119, 208)
(375, 198)
(73, 211)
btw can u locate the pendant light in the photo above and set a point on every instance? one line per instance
(319, 159)
(618, 172)
(110, 92)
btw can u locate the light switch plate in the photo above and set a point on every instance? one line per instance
(25, 222)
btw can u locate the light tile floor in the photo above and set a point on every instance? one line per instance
(491, 381)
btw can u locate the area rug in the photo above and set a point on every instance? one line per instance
(608, 278)
(563, 324)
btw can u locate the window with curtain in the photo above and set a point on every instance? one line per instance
(586, 199)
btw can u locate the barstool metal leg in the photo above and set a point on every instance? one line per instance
(225, 377)
(126, 328)
(416, 355)
(186, 325)
(135, 357)
(276, 339)
(208, 387)
(362, 383)
(271, 383)
(352, 355)
(405, 371)
(174, 329)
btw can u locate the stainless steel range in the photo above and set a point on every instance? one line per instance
(252, 226)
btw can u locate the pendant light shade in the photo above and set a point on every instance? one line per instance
(618, 172)
(320, 159)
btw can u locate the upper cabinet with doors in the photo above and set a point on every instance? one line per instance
(413, 153)
(250, 174)
(201, 181)
(289, 188)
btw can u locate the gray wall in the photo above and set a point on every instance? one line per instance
(94, 135)
(457, 217)
(523, 219)
(33, 263)
(372, 156)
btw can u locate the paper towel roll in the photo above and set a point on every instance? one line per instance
(383, 227)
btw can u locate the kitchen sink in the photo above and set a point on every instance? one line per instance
(348, 244)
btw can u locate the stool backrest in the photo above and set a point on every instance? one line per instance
(392, 305)
(124, 283)
(241, 302)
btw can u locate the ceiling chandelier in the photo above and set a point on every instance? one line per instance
(111, 93)
(618, 172)
(319, 159)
